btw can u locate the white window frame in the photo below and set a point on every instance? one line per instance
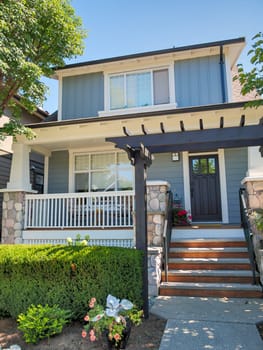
(107, 111)
(90, 171)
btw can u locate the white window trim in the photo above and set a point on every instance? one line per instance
(222, 177)
(73, 153)
(108, 112)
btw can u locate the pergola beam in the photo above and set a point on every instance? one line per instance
(251, 135)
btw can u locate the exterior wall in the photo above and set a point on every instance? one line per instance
(58, 172)
(173, 173)
(82, 96)
(198, 81)
(236, 167)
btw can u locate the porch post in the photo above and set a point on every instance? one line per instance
(19, 174)
(141, 222)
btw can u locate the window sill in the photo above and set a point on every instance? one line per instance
(122, 111)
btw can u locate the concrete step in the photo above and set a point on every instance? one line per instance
(233, 290)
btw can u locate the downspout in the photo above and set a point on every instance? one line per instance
(222, 74)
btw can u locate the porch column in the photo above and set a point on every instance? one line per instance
(19, 174)
(14, 195)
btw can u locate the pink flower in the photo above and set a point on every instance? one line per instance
(84, 334)
(91, 333)
(117, 336)
(86, 318)
(92, 338)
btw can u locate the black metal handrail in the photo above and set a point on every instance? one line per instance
(167, 233)
(245, 223)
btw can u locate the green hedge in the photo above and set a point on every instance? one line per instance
(67, 276)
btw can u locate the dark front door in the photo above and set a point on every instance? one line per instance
(205, 188)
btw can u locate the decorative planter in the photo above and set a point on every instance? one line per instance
(121, 344)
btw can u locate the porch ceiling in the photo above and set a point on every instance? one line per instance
(181, 124)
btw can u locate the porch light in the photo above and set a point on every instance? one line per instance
(175, 157)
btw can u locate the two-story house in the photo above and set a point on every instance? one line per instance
(178, 102)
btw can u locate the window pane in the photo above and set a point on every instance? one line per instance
(161, 86)
(82, 182)
(125, 179)
(82, 162)
(102, 161)
(102, 181)
(117, 99)
(138, 89)
(122, 159)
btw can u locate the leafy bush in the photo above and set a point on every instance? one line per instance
(67, 276)
(41, 322)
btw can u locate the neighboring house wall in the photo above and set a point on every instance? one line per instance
(236, 167)
(82, 96)
(198, 82)
(58, 172)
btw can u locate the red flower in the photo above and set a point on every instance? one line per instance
(84, 334)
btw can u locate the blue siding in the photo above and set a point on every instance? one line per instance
(198, 81)
(82, 96)
(58, 172)
(236, 167)
(164, 169)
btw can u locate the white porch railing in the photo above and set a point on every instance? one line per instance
(73, 210)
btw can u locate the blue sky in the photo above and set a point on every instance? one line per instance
(121, 27)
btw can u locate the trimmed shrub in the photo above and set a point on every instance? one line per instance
(67, 276)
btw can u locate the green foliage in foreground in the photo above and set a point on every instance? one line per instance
(40, 322)
(67, 276)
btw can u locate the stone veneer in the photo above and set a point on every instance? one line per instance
(254, 188)
(156, 211)
(13, 217)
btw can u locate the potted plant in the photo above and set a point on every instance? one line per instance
(181, 217)
(114, 322)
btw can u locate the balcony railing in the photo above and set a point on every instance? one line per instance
(77, 210)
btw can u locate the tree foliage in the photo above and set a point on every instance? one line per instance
(35, 36)
(253, 81)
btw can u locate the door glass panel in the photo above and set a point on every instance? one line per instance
(203, 166)
(195, 166)
(212, 165)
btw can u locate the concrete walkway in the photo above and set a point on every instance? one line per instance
(196, 323)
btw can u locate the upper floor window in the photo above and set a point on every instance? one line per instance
(139, 89)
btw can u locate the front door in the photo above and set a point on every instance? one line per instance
(205, 188)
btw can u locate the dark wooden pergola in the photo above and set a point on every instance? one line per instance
(141, 147)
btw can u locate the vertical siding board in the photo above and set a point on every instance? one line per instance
(82, 96)
(58, 172)
(173, 173)
(198, 81)
(236, 167)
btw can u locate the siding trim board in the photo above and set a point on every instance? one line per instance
(183, 110)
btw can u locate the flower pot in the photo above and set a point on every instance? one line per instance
(121, 344)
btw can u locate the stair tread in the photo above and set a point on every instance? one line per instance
(210, 249)
(210, 260)
(226, 286)
(239, 273)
